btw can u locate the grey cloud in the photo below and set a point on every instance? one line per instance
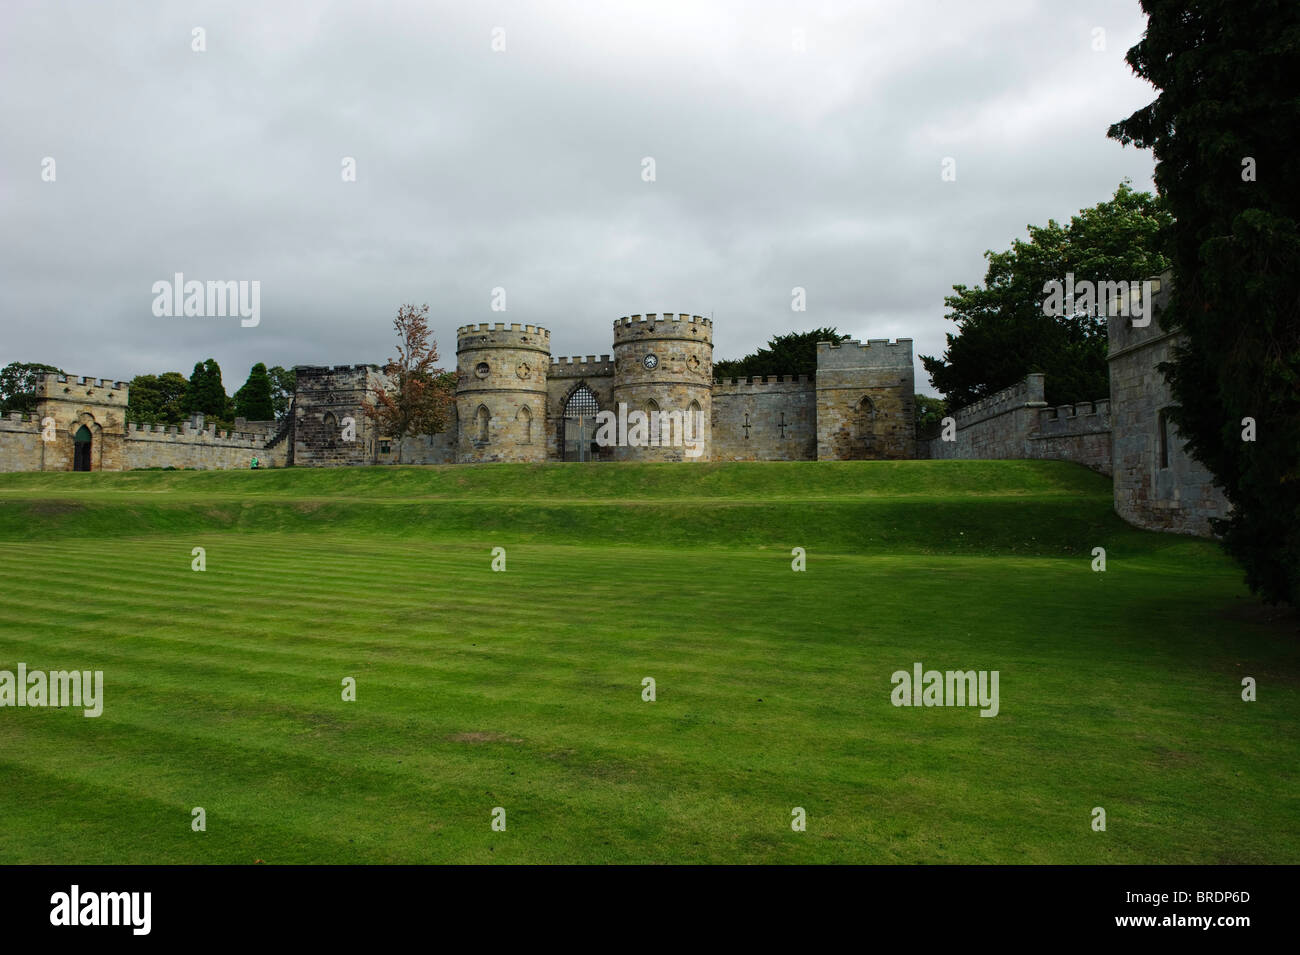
(522, 169)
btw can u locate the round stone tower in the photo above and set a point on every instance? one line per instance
(501, 392)
(663, 366)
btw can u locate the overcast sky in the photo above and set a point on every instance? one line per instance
(774, 167)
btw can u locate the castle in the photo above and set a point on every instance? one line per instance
(515, 402)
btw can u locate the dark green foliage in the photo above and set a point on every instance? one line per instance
(929, 415)
(157, 399)
(1002, 333)
(206, 393)
(794, 353)
(1228, 76)
(253, 400)
(18, 382)
(283, 383)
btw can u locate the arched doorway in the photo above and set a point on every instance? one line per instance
(578, 426)
(81, 449)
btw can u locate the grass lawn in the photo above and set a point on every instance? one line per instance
(523, 689)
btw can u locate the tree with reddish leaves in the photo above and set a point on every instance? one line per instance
(418, 396)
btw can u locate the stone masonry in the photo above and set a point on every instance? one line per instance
(90, 412)
(1157, 484)
(1016, 423)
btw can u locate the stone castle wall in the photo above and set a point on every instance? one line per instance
(1016, 423)
(995, 427)
(187, 446)
(1078, 433)
(765, 419)
(21, 447)
(69, 403)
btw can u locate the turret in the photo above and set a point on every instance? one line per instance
(501, 392)
(663, 366)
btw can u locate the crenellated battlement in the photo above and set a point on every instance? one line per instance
(764, 383)
(1086, 417)
(665, 325)
(836, 359)
(1082, 409)
(338, 384)
(186, 433)
(1026, 393)
(870, 343)
(17, 417)
(99, 391)
(666, 317)
(579, 367)
(499, 335)
(1122, 335)
(501, 327)
(313, 370)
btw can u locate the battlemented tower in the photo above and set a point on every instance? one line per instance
(89, 423)
(330, 427)
(663, 366)
(865, 400)
(501, 392)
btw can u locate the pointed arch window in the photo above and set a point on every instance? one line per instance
(525, 419)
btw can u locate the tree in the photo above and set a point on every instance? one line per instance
(930, 413)
(18, 381)
(253, 399)
(418, 396)
(794, 353)
(206, 393)
(1225, 131)
(157, 399)
(1002, 333)
(283, 384)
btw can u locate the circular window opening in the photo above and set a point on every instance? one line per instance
(482, 369)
